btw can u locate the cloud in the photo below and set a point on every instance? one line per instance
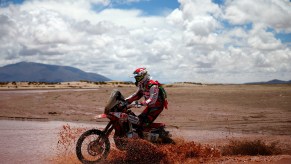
(198, 41)
(274, 14)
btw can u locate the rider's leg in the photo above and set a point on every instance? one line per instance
(149, 115)
(145, 118)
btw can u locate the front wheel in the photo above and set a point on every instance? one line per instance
(92, 146)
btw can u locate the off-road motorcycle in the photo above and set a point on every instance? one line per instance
(94, 145)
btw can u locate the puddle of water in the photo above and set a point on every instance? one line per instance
(45, 90)
(31, 141)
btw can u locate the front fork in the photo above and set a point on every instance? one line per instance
(108, 129)
(105, 133)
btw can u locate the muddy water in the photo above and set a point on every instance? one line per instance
(44, 90)
(30, 141)
(37, 142)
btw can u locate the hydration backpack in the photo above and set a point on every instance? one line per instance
(162, 91)
(163, 94)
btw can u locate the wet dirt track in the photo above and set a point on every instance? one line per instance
(37, 142)
(29, 141)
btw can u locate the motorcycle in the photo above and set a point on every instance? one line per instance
(94, 145)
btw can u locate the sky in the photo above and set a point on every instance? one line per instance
(207, 41)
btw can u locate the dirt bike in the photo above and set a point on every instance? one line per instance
(94, 145)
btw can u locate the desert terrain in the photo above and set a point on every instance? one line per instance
(206, 114)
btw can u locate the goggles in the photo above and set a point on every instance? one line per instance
(138, 77)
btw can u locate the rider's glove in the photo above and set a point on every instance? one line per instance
(143, 103)
(137, 104)
(123, 105)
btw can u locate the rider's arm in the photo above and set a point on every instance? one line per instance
(136, 96)
(154, 93)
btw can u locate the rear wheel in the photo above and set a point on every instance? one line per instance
(167, 140)
(166, 137)
(92, 146)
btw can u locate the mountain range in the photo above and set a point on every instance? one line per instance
(30, 71)
(275, 81)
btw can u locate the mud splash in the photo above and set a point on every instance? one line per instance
(143, 152)
(137, 150)
(67, 138)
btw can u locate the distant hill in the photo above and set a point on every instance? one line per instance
(29, 71)
(275, 81)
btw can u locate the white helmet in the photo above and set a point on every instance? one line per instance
(140, 75)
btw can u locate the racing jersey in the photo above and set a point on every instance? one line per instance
(150, 91)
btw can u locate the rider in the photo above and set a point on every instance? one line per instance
(155, 99)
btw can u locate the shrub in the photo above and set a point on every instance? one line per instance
(253, 148)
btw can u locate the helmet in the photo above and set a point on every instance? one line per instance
(140, 75)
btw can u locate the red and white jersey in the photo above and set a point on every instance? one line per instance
(150, 91)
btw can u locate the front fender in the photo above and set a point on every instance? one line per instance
(99, 116)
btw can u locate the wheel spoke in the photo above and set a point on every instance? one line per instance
(92, 147)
